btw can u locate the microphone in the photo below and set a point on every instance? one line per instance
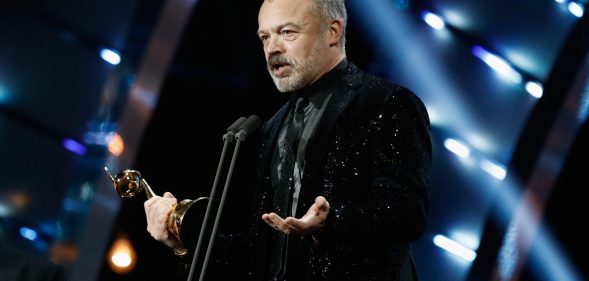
(249, 126)
(233, 129)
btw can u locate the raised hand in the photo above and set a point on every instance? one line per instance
(312, 221)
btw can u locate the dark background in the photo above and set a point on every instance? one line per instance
(54, 85)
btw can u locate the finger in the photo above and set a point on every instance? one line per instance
(266, 218)
(165, 202)
(168, 197)
(158, 215)
(319, 202)
(163, 211)
(148, 203)
(276, 220)
(272, 220)
(321, 205)
(155, 224)
(281, 225)
(289, 228)
(155, 208)
(295, 223)
(149, 206)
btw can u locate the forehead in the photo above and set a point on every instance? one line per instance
(275, 13)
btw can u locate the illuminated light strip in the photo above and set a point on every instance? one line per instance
(433, 20)
(457, 147)
(460, 149)
(110, 56)
(535, 89)
(502, 66)
(497, 63)
(28, 233)
(74, 146)
(576, 9)
(493, 169)
(454, 248)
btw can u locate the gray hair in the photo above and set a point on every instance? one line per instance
(333, 9)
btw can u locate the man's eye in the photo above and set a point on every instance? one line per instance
(289, 34)
(264, 37)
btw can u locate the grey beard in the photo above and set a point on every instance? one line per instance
(290, 83)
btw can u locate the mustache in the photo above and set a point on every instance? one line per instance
(278, 59)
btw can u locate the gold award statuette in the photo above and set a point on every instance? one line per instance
(129, 183)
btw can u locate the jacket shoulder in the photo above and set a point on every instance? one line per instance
(376, 94)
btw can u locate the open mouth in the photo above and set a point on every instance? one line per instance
(279, 69)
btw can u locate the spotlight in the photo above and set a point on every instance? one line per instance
(110, 56)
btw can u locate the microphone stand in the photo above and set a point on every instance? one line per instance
(243, 128)
(220, 208)
(228, 137)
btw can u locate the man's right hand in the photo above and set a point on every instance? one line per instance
(158, 211)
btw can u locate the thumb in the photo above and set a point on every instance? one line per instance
(168, 195)
(321, 204)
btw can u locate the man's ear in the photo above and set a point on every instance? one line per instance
(336, 29)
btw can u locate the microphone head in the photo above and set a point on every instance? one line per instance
(235, 126)
(250, 125)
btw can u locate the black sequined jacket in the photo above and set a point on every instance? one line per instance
(370, 158)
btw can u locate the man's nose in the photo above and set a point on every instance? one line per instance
(274, 46)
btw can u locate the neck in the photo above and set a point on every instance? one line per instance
(331, 64)
(324, 81)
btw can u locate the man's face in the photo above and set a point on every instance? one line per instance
(294, 45)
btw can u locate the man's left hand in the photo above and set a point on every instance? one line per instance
(312, 221)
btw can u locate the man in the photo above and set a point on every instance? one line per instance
(343, 167)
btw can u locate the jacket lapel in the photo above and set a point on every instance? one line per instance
(270, 138)
(343, 93)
